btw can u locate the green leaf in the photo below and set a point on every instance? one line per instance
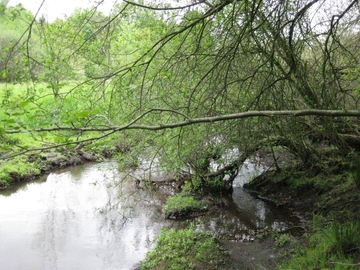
(95, 111)
(10, 121)
(59, 139)
(24, 103)
(4, 74)
(83, 114)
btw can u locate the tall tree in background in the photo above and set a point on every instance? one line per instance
(14, 23)
(4, 2)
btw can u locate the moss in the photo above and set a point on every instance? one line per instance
(186, 249)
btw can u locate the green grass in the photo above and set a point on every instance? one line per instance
(14, 168)
(183, 203)
(186, 249)
(336, 246)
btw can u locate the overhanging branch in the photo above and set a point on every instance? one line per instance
(192, 121)
(107, 131)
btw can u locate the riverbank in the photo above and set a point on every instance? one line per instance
(28, 167)
(324, 196)
(333, 195)
(330, 203)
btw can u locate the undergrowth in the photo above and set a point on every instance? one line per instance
(336, 246)
(17, 167)
(186, 249)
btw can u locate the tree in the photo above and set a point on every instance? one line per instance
(206, 73)
(14, 46)
(4, 2)
(55, 40)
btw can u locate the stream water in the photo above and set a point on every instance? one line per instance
(93, 217)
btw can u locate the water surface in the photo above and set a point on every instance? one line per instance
(93, 217)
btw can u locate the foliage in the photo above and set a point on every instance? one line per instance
(156, 68)
(336, 246)
(186, 249)
(281, 239)
(16, 62)
(4, 2)
(193, 185)
(203, 185)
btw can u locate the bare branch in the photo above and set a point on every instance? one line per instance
(162, 8)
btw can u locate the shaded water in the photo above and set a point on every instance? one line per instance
(87, 217)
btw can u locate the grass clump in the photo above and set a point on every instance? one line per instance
(337, 246)
(186, 249)
(183, 204)
(344, 239)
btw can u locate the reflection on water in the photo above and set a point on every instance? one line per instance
(243, 216)
(76, 220)
(92, 217)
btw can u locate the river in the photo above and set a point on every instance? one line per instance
(94, 217)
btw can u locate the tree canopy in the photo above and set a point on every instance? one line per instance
(203, 74)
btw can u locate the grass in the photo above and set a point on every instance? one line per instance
(17, 167)
(337, 246)
(183, 204)
(186, 249)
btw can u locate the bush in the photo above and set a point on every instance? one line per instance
(10, 58)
